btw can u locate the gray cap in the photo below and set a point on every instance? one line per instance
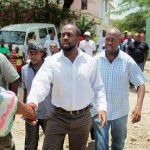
(35, 46)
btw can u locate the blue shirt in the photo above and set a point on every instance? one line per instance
(28, 74)
(116, 77)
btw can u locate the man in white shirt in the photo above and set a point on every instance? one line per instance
(101, 42)
(49, 41)
(88, 45)
(76, 86)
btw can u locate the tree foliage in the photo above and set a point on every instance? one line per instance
(136, 19)
(23, 11)
(134, 22)
(129, 5)
(85, 25)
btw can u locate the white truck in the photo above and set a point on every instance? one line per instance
(17, 34)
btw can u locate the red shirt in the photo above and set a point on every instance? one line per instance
(122, 39)
(12, 57)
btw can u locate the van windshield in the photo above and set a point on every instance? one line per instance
(14, 37)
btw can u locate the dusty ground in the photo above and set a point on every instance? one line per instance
(138, 137)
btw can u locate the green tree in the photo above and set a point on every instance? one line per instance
(23, 11)
(85, 25)
(134, 22)
(138, 11)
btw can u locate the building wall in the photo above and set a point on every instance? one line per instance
(93, 6)
(99, 10)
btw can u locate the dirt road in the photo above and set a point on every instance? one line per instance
(138, 137)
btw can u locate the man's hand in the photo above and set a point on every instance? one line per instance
(102, 116)
(27, 110)
(30, 112)
(136, 115)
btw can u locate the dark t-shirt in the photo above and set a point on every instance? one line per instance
(137, 50)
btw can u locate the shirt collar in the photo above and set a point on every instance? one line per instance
(80, 53)
(30, 64)
(120, 55)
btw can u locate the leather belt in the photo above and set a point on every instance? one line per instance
(74, 112)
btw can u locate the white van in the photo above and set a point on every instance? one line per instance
(17, 34)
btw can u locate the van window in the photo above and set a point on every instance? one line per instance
(51, 29)
(30, 35)
(42, 33)
(14, 37)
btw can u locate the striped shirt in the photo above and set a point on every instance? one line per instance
(116, 77)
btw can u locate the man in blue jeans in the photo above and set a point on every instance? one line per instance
(117, 69)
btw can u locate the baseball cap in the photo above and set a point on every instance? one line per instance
(87, 33)
(35, 46)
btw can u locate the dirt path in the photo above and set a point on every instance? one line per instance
(138, 137)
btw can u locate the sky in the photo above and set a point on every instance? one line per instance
(116, 2)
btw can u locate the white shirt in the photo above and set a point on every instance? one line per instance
(88, 46)
(101, 43)
(75, 85)
(47, 45)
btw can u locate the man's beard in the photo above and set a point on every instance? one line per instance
(69, 48)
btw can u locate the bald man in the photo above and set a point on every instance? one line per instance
(138, 50)
(117, 69)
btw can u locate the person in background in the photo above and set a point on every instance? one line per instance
(142, 36)
(80, 39)
(8, 80)
(54, 48)
(101, 42)
(4, 50)
(48, 36)
(48, 42)
(117, 69)
(33, 38)
(127, 41)
(138, 50)
(76, 85)
(28, 71)
(88, 45)
(12, 57)
(20, 61)
(122, 39)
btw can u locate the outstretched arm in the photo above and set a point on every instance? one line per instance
(136, 113)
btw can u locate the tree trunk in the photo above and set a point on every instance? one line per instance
(46, 2)
(67, 4)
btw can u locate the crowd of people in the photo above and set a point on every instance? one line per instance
(79, 86)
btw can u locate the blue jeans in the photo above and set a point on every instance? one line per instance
(118, 133)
